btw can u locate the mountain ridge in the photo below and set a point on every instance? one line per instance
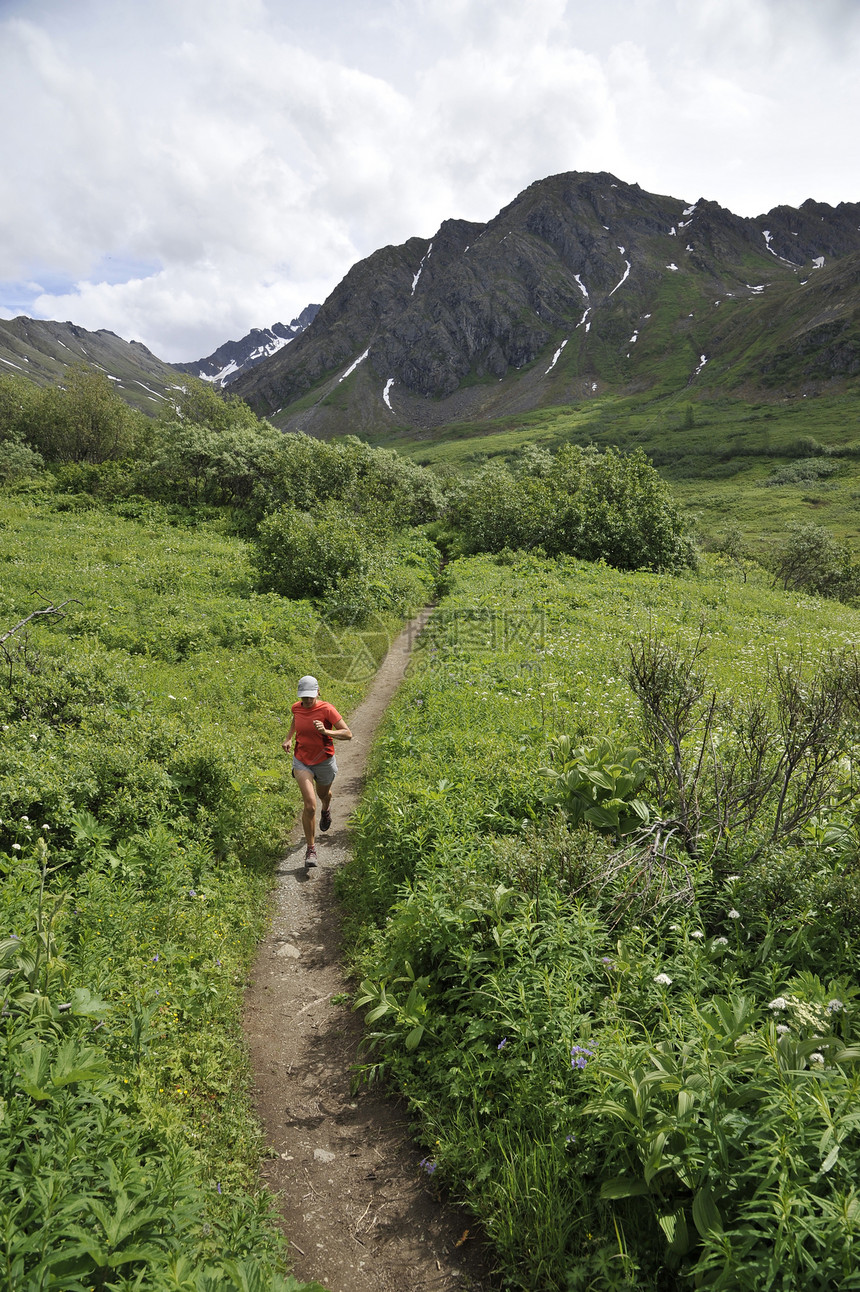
(583, 280)
(233, 358)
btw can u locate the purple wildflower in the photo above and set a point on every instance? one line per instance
(502, 1043)
(579, 1056)
(428, 1164)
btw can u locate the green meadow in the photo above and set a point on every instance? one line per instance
(144, 797)
(717, 451)
(630, 1049)
(602, 910)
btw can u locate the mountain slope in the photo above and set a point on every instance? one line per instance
(43, 350)
(582, 285)
(226, 363)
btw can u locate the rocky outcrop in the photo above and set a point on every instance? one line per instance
(232, 358)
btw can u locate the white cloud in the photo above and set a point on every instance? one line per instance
(237, 156)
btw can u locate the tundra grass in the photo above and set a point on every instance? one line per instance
(578, 1077)
(143, 797)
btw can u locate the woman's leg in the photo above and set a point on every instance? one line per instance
(305, 782)
(324, 792)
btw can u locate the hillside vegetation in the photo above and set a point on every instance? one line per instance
(603, 904)
(604, 907)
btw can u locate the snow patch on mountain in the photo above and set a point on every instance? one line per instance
(624, 276)
(351, 369)
(556, 357)
(424, 260)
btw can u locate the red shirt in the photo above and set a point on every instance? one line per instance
(312, 746)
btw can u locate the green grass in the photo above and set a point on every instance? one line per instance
(490, 940)
(141, 745)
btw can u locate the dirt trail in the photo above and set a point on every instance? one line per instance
(360, 1214)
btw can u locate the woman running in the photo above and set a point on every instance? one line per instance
(315, 725)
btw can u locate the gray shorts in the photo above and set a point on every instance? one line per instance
(324, 772)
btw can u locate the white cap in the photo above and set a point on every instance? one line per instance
(308, 686)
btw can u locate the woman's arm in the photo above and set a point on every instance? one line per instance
(338, 732)
(292, 731)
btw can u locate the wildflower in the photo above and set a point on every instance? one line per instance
(663, 980)
(782, 1028)
(817, 1057)
(25, 818)
(579, 1056)
(570, 1139)
(779, 1002)
(33, 736)
(697, 933)
(191, 892)
(834, 1006)
(155, 958)
(734, 915)
(721, 942)
(610, 964)
(732, 879)
(46, 826)
(16, 847)
(428, 1164)
(502, 1043)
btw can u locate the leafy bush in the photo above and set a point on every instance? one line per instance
(805, 471)
(327, 557)
(810, 560)
(608, 506)
(84, 421)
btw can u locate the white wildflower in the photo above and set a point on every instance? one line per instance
(817, 1057)
(779, 1002)
(734, 915)
(834, 1006)
(16, 847)
(782, 1028)
(721, 942)
(697, 933)
(663, 979)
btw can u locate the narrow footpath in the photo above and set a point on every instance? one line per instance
(359, 1213)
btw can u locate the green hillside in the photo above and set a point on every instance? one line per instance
(605, 918)
(602, 909)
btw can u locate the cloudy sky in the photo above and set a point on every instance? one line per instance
(179, 171)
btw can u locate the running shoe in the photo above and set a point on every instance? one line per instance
(311, 856)
(325, 819)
